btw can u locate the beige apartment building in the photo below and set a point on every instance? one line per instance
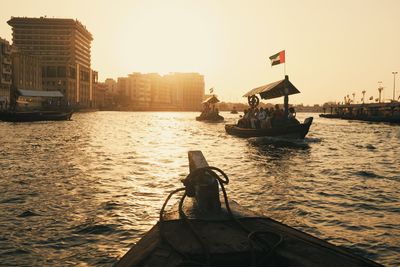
(151, 91)
(111, 85)
(139, 90)
(5, 73)
(187, 90)
(63, 47)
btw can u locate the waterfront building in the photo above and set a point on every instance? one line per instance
(122, 91)
(139, 90)
(5, 73)
(26, 71)
(111, 85)
(160, 92)
(175, 91)
(187, 90)
(63, 46)
(100, 90)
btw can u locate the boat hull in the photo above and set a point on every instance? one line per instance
(35, 116)
(291, 131)
(229, 245)
(217, 118)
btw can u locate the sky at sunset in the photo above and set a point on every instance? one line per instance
(333, 47)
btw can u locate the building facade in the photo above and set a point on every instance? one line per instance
(63, 47)
(187, 90)
(151, 91)
(139, 90)
(5, 74)
(111, 85)
(26, 71)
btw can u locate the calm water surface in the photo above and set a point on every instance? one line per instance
(82, 192)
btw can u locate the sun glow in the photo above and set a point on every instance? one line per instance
(166, 38)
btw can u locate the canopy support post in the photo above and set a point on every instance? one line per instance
(286, 97)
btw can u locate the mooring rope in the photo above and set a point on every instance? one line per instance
(189, 191)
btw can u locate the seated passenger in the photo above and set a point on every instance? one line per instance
(253, 118)
(243, 121)
(292, 116)
(261, 118)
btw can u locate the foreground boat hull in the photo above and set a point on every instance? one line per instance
(35, 116)
(204, 229)
(229, 245)
(290, 131)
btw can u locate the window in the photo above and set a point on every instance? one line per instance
(61, 72)
(51, 71)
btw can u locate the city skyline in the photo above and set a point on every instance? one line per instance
(332, 49)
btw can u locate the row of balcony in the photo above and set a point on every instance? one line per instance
(6, 60)
(6, 80)
(6, 71)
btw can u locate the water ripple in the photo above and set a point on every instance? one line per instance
(82, 192)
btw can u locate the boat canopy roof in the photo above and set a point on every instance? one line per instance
(23, 92)
(273, 90)
(211, 100)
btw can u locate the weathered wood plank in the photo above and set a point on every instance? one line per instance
(196, 160)
(205, 186)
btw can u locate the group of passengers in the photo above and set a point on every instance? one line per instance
(209, 112)
(264, 118)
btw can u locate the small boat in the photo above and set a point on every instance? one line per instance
(21, 112)
(234, 111)
(285, 127)
(289, 130)
(210, 113)
(206, 230)
(330, 116)
(30, 116)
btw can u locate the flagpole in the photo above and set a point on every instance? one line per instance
(284, 69)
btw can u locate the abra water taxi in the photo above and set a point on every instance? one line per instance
(210, 113)
(285, 127)
(36, 105)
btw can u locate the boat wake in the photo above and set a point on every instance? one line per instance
(279, 142)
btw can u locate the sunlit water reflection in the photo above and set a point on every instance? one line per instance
(83, 191)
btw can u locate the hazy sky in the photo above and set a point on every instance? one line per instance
(333, 48)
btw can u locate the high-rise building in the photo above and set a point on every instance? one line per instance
(63, 46)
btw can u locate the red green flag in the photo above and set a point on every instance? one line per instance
(278, 58)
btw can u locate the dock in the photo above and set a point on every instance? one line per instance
(373, 112)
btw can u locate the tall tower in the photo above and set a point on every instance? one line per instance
(63, 46)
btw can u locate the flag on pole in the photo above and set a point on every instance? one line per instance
(211, 90)
(278, 58)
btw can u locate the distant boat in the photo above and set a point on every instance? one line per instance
(23, 113)
(30, 116)
(210, 113)
(285, 127)
(234, 111)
